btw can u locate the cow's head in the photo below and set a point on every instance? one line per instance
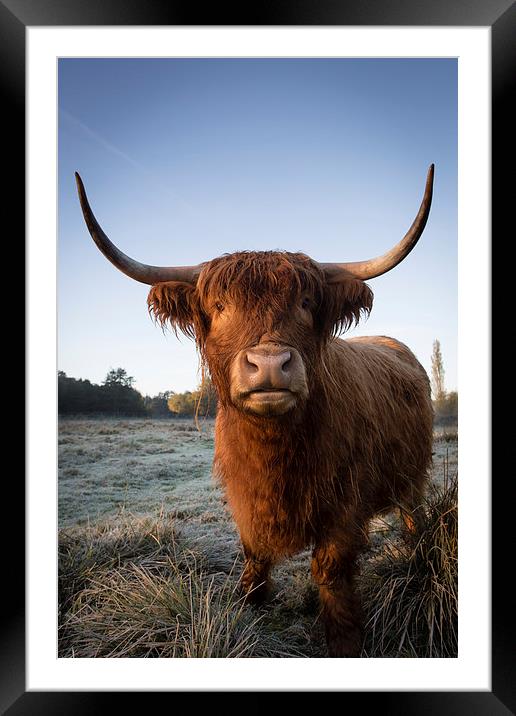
(261, 319)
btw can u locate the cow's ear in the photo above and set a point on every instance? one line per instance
(344, 303)
(176, 303)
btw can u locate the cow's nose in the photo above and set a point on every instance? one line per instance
(268, 370)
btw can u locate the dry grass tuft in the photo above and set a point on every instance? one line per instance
(410, 588)
(128, 589)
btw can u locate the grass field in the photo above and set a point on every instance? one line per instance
(149, 557)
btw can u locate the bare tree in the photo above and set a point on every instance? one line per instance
(438, 390)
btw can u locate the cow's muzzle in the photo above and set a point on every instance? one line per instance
(268, 379)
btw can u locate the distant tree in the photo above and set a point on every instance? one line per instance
(182, 404)
(122, 398)
(450, 405)
(201, 402)
(79, 396)
(446, 405)
(158, 405)
(447, 409)
(438, 390)
(119, 376)
(206, 397)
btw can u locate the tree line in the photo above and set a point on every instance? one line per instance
(116, 396)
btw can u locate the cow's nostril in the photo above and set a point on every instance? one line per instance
(286, 364)
(251, 364)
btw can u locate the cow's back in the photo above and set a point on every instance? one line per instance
(381, 363)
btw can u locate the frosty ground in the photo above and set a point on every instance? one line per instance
(135, 472)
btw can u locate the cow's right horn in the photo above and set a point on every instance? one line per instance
(381, 264)
(134, 269)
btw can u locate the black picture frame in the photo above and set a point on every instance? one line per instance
(500, 16)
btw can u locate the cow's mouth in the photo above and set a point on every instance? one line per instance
(269, 401)
(269, 394)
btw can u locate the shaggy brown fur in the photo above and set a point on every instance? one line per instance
(357, 446)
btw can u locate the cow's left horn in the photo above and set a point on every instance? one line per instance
(134, 269)
(382, 264)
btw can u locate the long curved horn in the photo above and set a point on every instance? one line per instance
(134, 269)
(382, 264)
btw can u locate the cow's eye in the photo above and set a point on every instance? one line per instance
(219, 306)
(305, 303)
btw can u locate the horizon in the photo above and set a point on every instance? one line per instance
(170, 390)
(229, 154)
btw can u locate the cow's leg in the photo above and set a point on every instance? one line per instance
(334, 568)
(255, 577)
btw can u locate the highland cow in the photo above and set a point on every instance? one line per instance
(314, 435)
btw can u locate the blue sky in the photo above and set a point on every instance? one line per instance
(185, 159)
